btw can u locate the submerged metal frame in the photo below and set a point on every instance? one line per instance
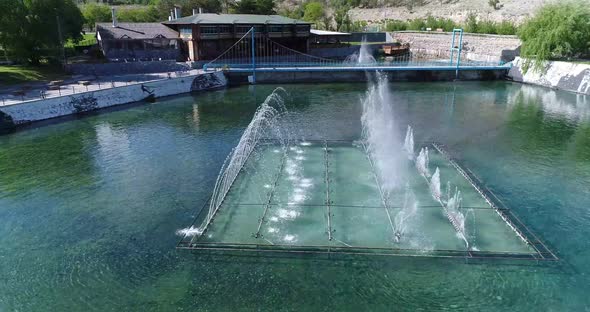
(541, 251)
(327, 181)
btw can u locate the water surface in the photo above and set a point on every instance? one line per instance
(89, 207)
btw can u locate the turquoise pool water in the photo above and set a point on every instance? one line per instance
(89, 208)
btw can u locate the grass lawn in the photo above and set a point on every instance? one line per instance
(87, 39)
(11, 75)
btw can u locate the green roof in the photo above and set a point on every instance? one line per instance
(212, 18)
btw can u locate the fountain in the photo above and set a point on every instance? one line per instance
(381, 135)
(265, 124)
(422, 163)
(455, 216)
(408, 211)
(362, 57)
(270, 187)
(409, 143)
(435, 185)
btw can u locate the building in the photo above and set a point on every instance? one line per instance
(138, 41)
(328, 38)
(207, 35)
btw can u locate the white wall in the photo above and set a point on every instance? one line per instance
(66, 105)
(558, 75)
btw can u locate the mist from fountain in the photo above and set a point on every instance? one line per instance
(409, 143)
(404, 216)
(381, 135)
(266, 124)
(455, 216)
(362, 57)
(435, 185)
(422, 163)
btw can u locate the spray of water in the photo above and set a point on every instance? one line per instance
(362, 57)
(266, 124)
(403, 217)
(422, 163)
(455, 216)
(409, 143)
(381, 135)
(435, 185)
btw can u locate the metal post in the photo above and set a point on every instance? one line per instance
(270, 195)
(452, 48)
(459, 51)
(328, 201)
(253, 56)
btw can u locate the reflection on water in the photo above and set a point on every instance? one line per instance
(89, 208)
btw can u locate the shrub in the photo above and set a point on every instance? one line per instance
(487, 27)
(445, 23)
(506, 28)
(556, 31)
(471, 23)
(416, 24)
(395, 25)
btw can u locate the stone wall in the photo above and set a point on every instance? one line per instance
(31, 111)
(476, 47)
(557, 75)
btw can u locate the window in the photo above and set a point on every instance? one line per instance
(186, 32)
(243, 28)
(208, 30)
(224, 29)
(302, 28)
(277, 29)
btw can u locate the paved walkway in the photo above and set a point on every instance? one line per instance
(75, 85)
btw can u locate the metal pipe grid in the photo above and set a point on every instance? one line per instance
(542, 252)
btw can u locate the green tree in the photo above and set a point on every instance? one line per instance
(342, 19)
(246, 7)
(95, 13)
(266, 7)
(187, 6)
(314, 12)
(555, 31)
(263, 7)
(145, 14)
(29, 29)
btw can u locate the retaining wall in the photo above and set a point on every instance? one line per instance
(303, 76)
(476, 47)
(557, 75)
(26, 112)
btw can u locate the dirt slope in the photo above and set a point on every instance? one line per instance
(514, 10)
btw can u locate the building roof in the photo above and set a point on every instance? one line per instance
(135, 31)
(213, 18)
(318, 32)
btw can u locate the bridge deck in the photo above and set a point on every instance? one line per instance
(359, 68)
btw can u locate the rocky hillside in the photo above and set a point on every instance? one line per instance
(457, 10)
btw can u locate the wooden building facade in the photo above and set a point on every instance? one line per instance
(208, 35)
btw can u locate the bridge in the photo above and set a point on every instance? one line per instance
(255, 53)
